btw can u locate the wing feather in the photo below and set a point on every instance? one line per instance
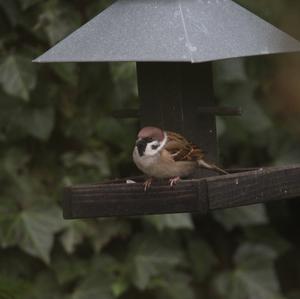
(182, 150)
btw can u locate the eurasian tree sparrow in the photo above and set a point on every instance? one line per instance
(163, 154)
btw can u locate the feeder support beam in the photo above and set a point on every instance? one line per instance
(171, 94)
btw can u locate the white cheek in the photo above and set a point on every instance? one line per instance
(149, 151)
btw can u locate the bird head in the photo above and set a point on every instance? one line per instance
(150, 141)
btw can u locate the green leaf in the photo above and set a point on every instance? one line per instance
(112, 131)
(242, 216)
(73, 234)
(124, 76)
(172, 221)
(44, 286)
(230, 71)
(287, 156)
(11, 10)
(107, 230)
(254, 119)
(253, 276)
(150, 256)
(107, 266)
(59, 20)
(67, 72)
(119, 287)
(37, 122)
(175, 286)
(28, 3)
(95, 159)
(294, 295)
(14, 161)
(33, 230)
(202, 258)
(95, 286)
(69, 269)
(254, 256)
(12, 287)
(17, 76)
(100, 233)
(242, 284)
(268, 236)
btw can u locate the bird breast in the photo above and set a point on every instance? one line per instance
(161, 165)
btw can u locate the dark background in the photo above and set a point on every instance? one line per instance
(56, 130)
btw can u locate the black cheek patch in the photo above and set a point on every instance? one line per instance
(154, 146)
(141, 147)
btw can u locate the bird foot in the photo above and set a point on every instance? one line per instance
(173, 181)
(147, 184)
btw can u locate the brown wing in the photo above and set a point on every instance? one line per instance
(182, 150)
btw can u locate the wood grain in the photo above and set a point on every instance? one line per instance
(117, 198)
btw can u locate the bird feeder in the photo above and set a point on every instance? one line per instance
(174, 43)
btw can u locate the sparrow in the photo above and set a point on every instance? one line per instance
(167, 155)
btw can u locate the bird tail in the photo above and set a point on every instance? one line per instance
(204, 164)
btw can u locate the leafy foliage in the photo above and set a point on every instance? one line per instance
(56, 129)
(18, 76)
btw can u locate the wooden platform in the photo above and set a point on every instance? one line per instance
(118, 198)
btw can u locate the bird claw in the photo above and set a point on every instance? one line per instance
(173, 181)
(147, 184)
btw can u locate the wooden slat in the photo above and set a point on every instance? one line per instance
(199, 195)
(131, 199)
(252, 187)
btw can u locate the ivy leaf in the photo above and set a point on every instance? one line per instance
(119, 287)
(112, 131)
(151, 256)
(28, 3)
(106, 230)
(67, 72)
(73, 235)
(124, 76)
(11, 287)
(202, 258)
(17, 76)
(294, 295)
(33, 230)
(58, 21)
(176, 286)
(44, 286)
(96, 285)
(93, 160)
(253, 277)
(37, 122)
(172, 221)
(14, 161)
(254, 119)
(287, 156)
(69, 269)
(253, 255)
(229, 71)
(96, 159)
(268, 236)
(242, 216)
(11, 10)
(100, 233)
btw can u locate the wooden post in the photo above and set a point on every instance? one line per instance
(171, 94)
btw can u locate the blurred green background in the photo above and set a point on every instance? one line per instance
(56, 130)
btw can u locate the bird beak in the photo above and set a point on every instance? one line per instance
(138, 141)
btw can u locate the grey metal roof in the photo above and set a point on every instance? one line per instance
(171, 30)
